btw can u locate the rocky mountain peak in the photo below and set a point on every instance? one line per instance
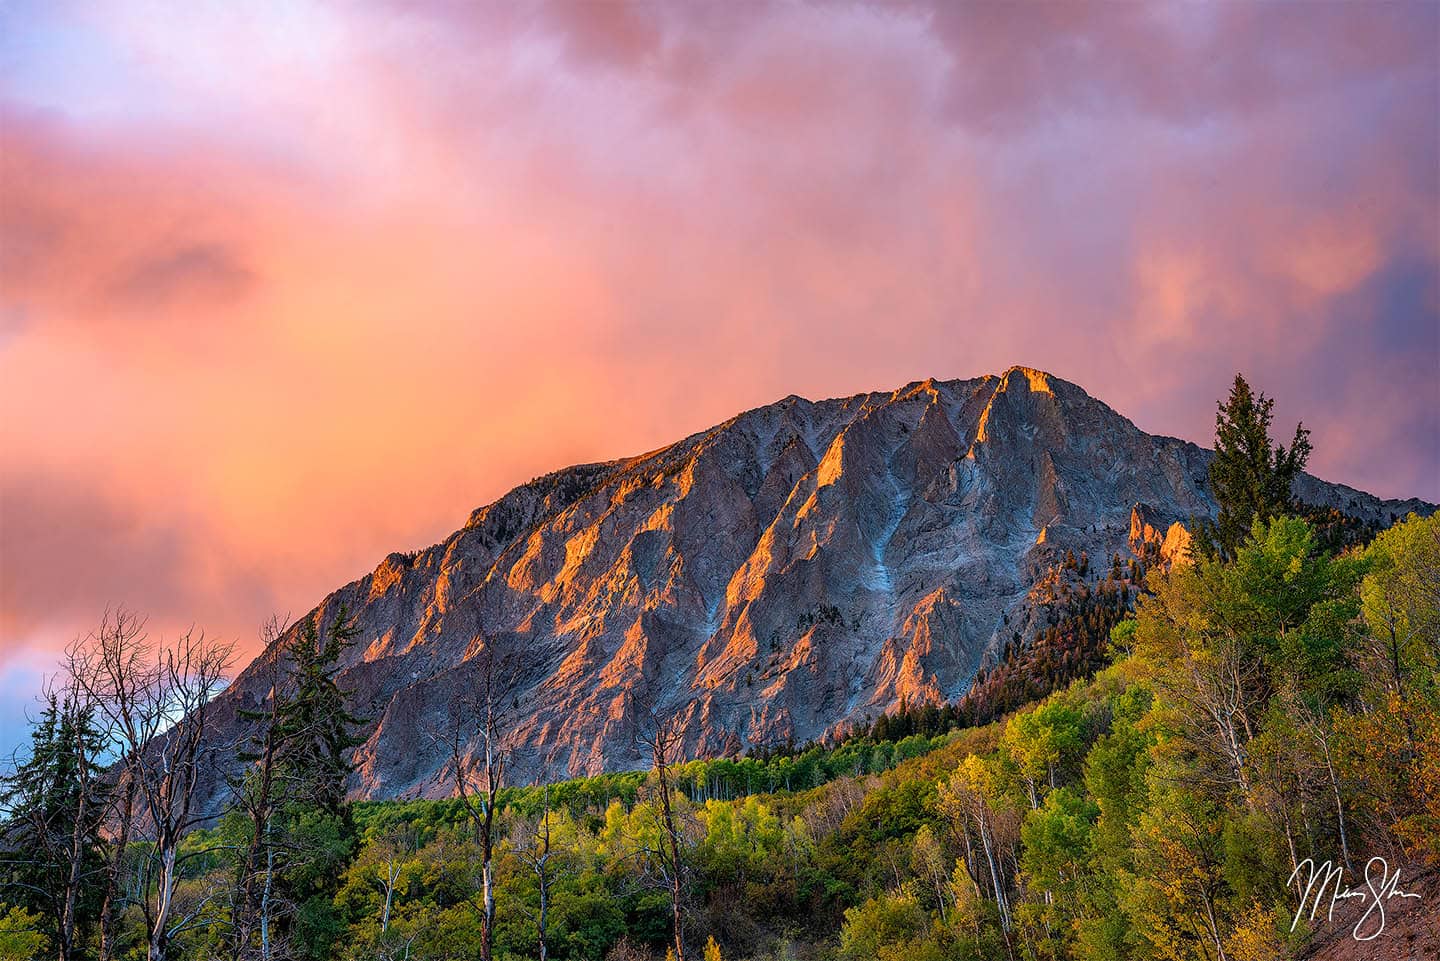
(800, 567)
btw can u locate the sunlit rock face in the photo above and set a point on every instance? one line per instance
(800, 567)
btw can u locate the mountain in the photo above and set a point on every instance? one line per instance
(799, 567)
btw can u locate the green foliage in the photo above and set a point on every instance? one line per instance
(1250, 477)
(53, 804)
(589, 920)
(22, 936)
(1400, 602)
(884, 927)
(293, 823)
(1272, 705)
(740, 839)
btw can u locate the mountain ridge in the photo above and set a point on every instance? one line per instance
(793, 569)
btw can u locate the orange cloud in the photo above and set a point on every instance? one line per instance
(283, 294)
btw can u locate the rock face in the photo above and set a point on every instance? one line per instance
(799, 567)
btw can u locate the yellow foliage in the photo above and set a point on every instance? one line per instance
(1254, 937)
(20, 937)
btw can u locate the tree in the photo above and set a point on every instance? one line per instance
(1056, 843)
(88, 670)
(1213, 636)
(1400, 602)
(1250, 477)
(55, 803)
(1178, 893)
(883, 927)
(661, 735)
(1115, 777)
(535, 851)
(155, 698)
(1211, 684)
(1041, 741)
(982, 818)
(260, 794)
(119, 821)
(314, 724)
(928, 860)
(387, 863)
(1390, 748)
(301, 826)
(72, 801)
(484, 713)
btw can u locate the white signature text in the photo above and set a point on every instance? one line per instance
(1380, 886)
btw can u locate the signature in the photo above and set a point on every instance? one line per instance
(1380, 887)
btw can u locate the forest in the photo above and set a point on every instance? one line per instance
(1147, 781)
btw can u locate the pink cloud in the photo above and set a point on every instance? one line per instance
(284, 294)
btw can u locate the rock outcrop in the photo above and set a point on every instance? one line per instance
(799, 567)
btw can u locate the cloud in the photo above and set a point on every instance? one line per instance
(287, 290)
(92, 234)
(192, 272)
(1183, 64)
(67, 547)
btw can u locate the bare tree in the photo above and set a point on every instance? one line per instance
(78, 842)
(155, 699)
(384, 863)
(389, 853)
(397, 947)
(1312, 719)
(259, 794)
(660, 733)
(535, 853)
(120, 818)
(476, 741)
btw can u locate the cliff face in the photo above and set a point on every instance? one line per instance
(800, 566)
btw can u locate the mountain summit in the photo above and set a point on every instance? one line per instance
(801, 566)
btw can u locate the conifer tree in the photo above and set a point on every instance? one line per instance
(1250, 476)
(301, 833)
(315, 724)
(53, 858)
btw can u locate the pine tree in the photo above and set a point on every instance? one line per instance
(306, 830)
(53, 858)
(315, 723)
(1250, 477)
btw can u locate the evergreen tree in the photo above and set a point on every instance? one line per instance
(300, 827)
(1250, 476)
(315, 724)
(53, 858)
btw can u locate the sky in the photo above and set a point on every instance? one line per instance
(287, 286)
